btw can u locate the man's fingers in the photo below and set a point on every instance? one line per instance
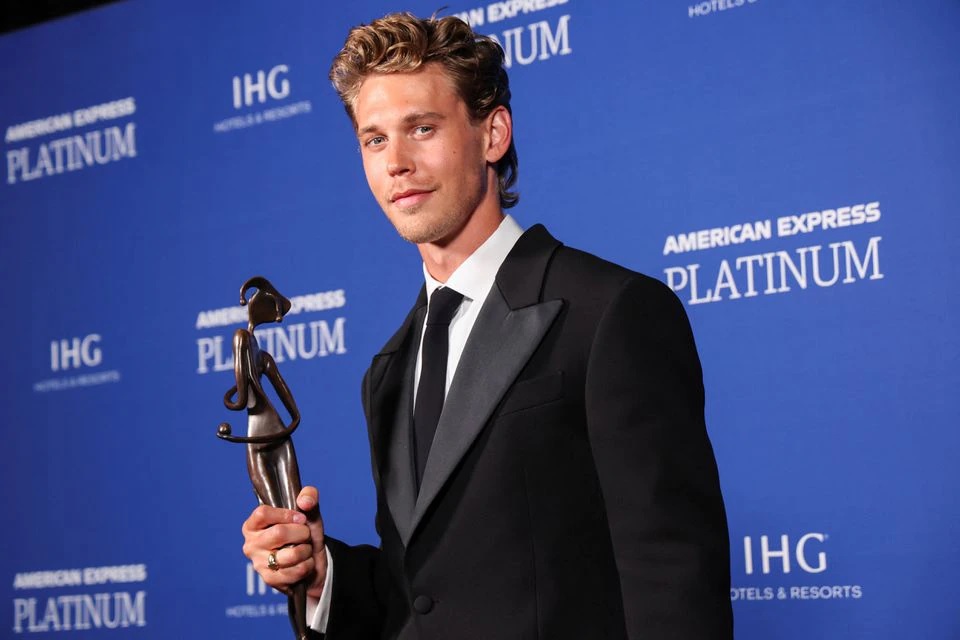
(291, 556)
(293, 538)
(266, 516)
(285, 576)
(258, 543)
(308, 501)
(308, 498)
(281, 535)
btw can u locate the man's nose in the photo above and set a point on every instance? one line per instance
(399, 160)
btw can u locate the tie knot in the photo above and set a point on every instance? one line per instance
(443, 305)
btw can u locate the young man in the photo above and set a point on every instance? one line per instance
(568, 488)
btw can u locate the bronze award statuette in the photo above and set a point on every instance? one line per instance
(271, 460)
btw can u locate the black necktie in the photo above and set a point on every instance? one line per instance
(433, 373)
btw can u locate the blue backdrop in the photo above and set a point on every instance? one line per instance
(789, 167)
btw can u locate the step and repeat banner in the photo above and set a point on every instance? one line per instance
(789, 167)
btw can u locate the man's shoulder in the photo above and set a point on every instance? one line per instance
(541, 267)
(588, 264)
(577, 270)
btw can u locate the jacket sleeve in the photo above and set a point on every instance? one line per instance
(644, 400)
(356, 612)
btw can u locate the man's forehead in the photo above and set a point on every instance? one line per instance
(399, 95)
(430, 77)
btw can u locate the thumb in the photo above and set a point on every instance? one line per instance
(308, 500)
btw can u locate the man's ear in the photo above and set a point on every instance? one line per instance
(499, 134)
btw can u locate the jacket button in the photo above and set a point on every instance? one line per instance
(423, 604)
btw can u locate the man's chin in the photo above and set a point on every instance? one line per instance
(421, 225)
(417, 236)
(439, 235)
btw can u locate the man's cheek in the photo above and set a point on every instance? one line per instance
(372, 185)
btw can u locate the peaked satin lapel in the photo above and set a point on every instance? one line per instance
(501, 343)
(391, 415)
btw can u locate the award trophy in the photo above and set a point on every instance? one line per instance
(271, 460)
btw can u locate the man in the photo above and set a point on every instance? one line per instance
(568, 488)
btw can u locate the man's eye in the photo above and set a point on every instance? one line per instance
(424, 129)
(374, 141)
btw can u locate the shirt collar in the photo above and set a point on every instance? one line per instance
(475, 276)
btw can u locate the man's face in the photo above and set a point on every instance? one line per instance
(424, 158)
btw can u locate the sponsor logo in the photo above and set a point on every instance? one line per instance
(253, 90)
(777, 271)
(306, 340)
(709, 7)
(777, 557)
(73, 357)
(79, 150)
(525, 44)
(768, 552)
(110, 609)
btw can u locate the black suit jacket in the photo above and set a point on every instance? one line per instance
(571, 490)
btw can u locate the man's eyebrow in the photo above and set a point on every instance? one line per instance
(370, 128)
(423, 115)
(408, 119)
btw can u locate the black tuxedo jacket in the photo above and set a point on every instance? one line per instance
(571, 490)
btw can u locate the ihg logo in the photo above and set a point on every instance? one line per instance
(258, 86)
(73, 353)
(807, 552)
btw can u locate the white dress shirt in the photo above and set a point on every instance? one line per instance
(474, 279)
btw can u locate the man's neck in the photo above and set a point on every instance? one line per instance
(443, 258)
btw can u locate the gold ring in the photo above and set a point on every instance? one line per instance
(272, 561)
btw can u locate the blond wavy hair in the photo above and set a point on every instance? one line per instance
(402, 43)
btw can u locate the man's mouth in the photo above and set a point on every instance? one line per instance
(410, 197)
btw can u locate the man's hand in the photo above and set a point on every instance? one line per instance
(295, 538)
